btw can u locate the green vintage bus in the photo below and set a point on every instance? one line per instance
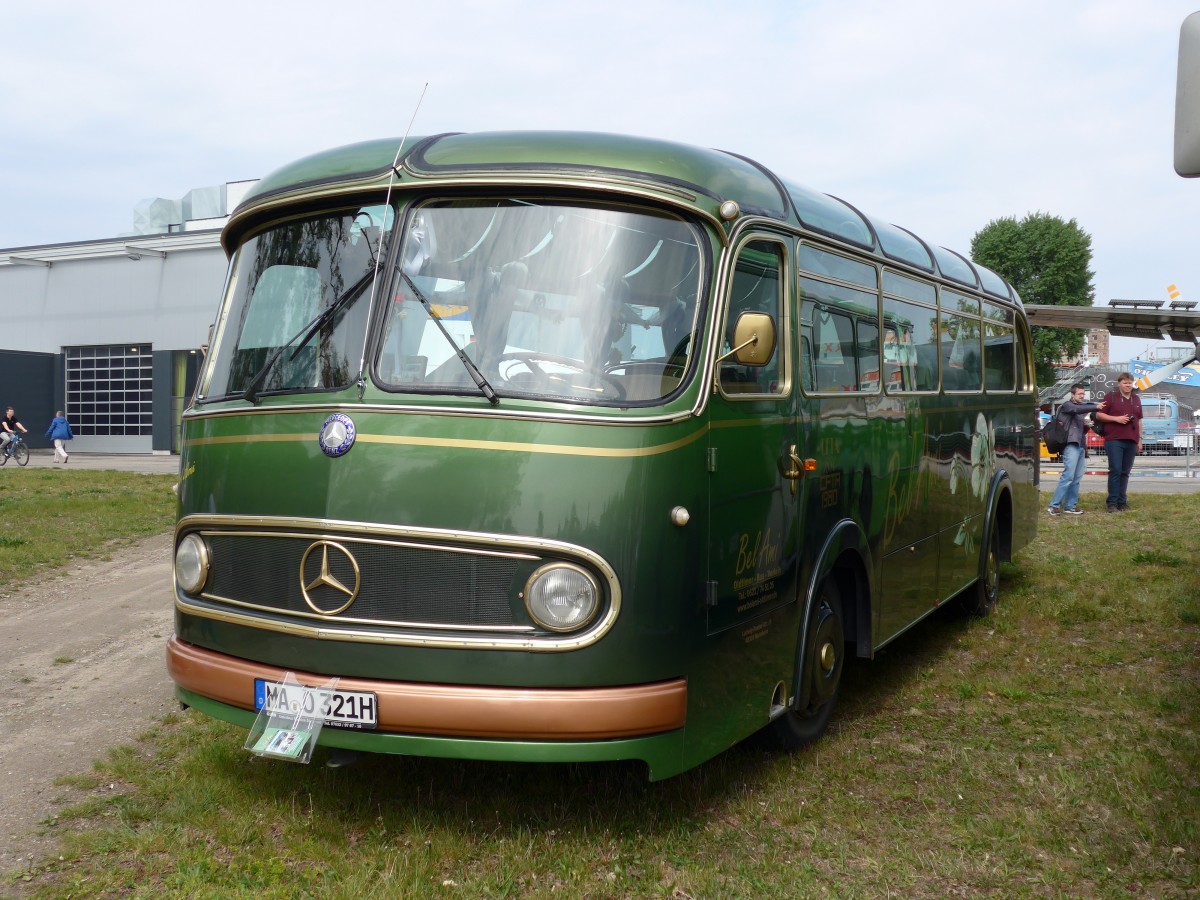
(554, 446)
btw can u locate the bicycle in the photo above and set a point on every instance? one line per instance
(15, 449)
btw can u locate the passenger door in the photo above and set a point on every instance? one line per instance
(752, 455)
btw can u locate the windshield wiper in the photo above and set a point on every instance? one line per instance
(472, 369)
(305, 334)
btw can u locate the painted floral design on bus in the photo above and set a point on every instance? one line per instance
(983, 456)
(982, 464)
(979, 470)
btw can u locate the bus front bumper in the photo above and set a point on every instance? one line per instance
(449, 710)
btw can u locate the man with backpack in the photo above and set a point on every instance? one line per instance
(1074, 454)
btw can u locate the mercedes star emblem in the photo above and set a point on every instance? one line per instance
(324, 585)
(337, 434)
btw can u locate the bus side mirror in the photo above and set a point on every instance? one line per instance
(753, 340)
(1187, 99)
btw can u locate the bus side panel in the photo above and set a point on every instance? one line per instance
(908, 556)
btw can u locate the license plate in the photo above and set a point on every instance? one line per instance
(343, 709)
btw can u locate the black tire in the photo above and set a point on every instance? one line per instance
(820, 677)
(3, 458)
(980, 599)
(22, 454)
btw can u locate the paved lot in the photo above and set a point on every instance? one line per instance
(165, 463)
(1150, 475)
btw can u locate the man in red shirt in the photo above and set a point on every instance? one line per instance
(1122, 418)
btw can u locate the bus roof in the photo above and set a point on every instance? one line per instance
(700, 178)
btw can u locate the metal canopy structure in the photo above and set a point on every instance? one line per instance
(1177, 322)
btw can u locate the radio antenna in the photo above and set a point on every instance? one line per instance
(387, 205)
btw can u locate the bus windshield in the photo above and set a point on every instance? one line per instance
(299, 306)
(556, 301)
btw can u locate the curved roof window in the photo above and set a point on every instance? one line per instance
(955, 267)
(831, 216)
(992, 283)
(902, 245)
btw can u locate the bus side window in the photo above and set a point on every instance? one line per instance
(834, 351)
(909, 346)
(961, 364)
(757, 288)
(806, 357)
(897, 370)
(843, 326)
(998, 371)
(868, 355)
(1026, 380)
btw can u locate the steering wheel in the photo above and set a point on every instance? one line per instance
(602, 384)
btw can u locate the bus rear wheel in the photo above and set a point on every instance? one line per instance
(820, 672)
(980, 599)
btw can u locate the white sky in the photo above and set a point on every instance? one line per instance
(938, 115)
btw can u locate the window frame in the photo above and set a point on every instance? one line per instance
(782, 318)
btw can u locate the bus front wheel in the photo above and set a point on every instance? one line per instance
(820, 673)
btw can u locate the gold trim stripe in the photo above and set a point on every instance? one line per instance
(248, 438)
(504, 446)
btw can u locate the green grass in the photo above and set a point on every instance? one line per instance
(1050, 750)
(51, 515)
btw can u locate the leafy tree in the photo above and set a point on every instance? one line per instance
(1048, 261)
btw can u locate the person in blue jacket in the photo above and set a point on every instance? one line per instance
(60, 432)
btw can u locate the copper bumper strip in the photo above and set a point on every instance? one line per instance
(573, 714)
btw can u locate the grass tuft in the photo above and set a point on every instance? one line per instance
(1156, 558)
(59, 515)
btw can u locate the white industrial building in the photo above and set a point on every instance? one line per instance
(110, 330)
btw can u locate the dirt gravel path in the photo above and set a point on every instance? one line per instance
(83, 656)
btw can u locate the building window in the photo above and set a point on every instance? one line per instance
(110, 389)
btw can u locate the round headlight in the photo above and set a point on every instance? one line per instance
(191, 563)
(562, 597)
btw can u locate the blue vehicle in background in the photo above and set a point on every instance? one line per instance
(1162, 424)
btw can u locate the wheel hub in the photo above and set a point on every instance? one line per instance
(825, 661)
(828, 657)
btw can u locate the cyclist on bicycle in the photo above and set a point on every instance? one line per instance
(8, 428)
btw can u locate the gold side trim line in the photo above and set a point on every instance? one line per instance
(501, 446)
(249, 439)
(516, 447)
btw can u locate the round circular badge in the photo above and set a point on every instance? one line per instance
(337, 435)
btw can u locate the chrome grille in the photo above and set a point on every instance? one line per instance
(401, 583)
